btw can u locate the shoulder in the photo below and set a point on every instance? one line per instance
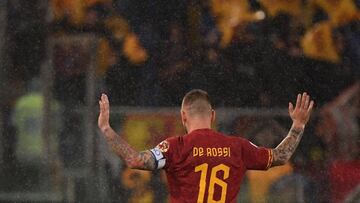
(175, 139)
(238, 140)
(230, 138)
(169, 143)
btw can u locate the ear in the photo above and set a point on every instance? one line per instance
(183, 116)
(213, 116)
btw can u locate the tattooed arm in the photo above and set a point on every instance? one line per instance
(283, 152)
(300, 116)
(139, 160)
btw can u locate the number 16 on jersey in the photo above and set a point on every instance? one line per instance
(210, 186)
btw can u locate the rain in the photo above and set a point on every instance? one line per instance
(252, 57)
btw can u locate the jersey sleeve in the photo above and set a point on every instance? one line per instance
(254, 157)
(165, 152)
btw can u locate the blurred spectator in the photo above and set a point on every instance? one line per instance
(231, 14)
(31, 147)
(319, 43)
(339, 127)
(344, 178)
(27, 118)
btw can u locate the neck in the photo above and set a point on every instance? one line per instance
(196, 124)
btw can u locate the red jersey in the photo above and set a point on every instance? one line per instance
(207, 166)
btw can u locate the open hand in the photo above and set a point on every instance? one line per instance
(301, 113)
(103, 120)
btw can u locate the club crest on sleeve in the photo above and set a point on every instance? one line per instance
(163, 146)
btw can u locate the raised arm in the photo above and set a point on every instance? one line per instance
(139, 160)
(300, 116)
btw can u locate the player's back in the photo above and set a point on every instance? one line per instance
(207, 166)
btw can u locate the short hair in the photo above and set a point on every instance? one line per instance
(197, 102)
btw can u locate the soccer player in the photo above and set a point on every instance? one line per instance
(205, 165)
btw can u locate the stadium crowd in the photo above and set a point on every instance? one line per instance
(253, 48)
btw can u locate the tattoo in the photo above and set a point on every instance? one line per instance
(287, 147)
(138, 160)
(296, 132)
(148, 160)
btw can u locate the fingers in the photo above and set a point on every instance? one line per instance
(101, 106)
(303, 102)
(298, 100)
(104, 102)
(291, 107)
(307, 100)
(311, 106)
(104, 97)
